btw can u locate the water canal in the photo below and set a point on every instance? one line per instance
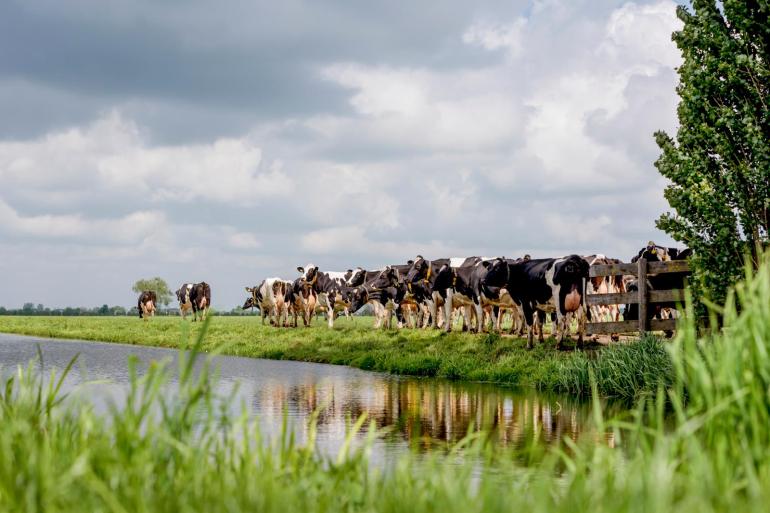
(426, 413)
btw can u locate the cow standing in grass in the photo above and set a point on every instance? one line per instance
(183, 296)
(200, 297)
(146, 304)
(551, 285)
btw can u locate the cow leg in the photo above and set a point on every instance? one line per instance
(497, 315)
(581, 326)
(480, 325)
(529, 320)
(433, 307)
(378, 315)
(448, 311)
(330, 301)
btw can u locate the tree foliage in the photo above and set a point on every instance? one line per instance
(719, 162)
(157, 285)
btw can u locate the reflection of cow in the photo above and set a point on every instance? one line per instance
(146, 304)
(665, 281)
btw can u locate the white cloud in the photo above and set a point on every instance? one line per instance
(469, 110)
(112, 156)
(243, 240)
(132, 228)
(494, 36)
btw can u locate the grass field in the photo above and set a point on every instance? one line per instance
(623, 371)
(184, 452)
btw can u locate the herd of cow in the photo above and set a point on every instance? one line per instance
(423, 293)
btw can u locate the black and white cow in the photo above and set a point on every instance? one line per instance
(425, 273)
(146, 304)
(183, 296)
(328, 287)
(200, 297)
(551, 285)
(489, 283)
(382, 293)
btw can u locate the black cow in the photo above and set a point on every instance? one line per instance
(148, 300)
(200, 297)
(551, 285)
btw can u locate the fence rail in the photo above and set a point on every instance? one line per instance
(643, 297)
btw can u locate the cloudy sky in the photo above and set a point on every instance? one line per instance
(232, 141)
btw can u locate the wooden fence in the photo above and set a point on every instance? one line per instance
(643, 297)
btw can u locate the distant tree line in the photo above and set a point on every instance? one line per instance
(104, 310)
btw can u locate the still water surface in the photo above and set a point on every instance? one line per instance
(422, 412)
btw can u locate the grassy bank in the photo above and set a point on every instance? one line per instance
(181, 452)
(353, 342)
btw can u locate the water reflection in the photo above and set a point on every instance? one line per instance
(426, 412)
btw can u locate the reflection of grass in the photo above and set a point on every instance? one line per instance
(352, 342)
(183, 452)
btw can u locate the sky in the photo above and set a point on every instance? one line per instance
(234, 141)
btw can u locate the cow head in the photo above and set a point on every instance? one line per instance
(356, 277)
(496, 276)
(388, 277)
(569, 270)
(309, 273)
(255, 296)
(357, 297)
(653, 253)
(420, 270)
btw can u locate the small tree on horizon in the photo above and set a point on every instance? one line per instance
(157, 285)
(719, 161)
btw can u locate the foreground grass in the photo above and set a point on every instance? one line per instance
(353, 342)
(183, 452)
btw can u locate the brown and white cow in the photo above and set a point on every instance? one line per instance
(270, 297)
(302, 300)
(183, 296)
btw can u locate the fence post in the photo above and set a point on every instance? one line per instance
(644, 322)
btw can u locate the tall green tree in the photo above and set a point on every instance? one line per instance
(719, 162)
(157, 285)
